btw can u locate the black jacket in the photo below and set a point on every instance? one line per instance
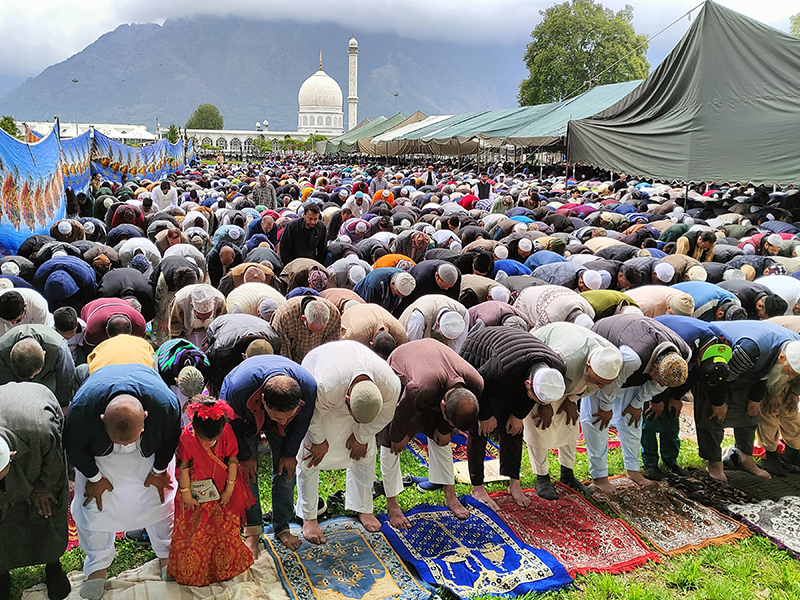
(298, 242)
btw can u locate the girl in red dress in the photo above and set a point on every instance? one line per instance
(207, 545)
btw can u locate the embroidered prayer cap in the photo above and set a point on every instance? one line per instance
(404, 283)
(500, 293)
(664, 272)
(5, 454)
(521, 228)
(792, 352)
(190, 381)
(697, 273)
(774, 239)
(501, 252)
(592, 279)
(365, 401)
(682, 304)
(202, 299)
(733, 275)
(749, 271)
(525, 244)
(671, 370)
(515, 322)
(317, 280)
(448, 273)
(451, 324)
(606, 363)
(361, 227)
(548, 385)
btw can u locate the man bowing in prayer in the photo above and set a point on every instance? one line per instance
(440, 392)
(357, 394)
(121, 434)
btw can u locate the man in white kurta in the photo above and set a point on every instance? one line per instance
(34, 310)
(357, 393)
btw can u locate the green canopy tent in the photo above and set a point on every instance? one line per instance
(348, 142)
(723, 106)
(369, 146)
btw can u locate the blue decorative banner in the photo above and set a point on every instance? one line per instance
(31, 189)
(76, 162)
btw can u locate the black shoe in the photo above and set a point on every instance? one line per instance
(545, 489)
(377, 489)
(58, 586)
(731, 459)
(322, 507)
(791, 456)
(678, 470)
(336, 499)
(138, 537)
(568, 479)
(772, 465)
(653, 474)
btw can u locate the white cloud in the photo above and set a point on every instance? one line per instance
(35, 34)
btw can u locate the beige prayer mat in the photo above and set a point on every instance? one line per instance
(259, 582)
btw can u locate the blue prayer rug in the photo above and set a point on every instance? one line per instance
(480, 555)
(354, 563)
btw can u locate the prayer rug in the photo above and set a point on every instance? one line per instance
(778, 521)
(613, 440)
(701, 487)
(353, 563)
(479, 555)
(491, 467)
(672, 522)
(579, 535)
(764, 489)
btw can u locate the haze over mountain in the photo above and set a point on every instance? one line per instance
(252, 70)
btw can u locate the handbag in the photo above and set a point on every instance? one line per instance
(204, 490)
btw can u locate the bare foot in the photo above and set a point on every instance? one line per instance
(253, 543)
(604, 486)
(481, 495)
(289, 540)
(515, 489)
(312, 533)
(396, 517)
(638, 478)
(452, 502)
(749, 464)
(369, 522)
(717, 472)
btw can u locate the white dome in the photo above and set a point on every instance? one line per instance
(353, 42)
(320, 91)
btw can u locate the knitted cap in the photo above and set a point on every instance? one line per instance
(548, 385)
(190, 381)
(404, 283)
(365, 401)
(606, 362)
(451, 324)
(697, 273)
(682, 304)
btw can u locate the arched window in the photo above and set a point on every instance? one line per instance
(207, 141)
(222, 143)
(305, 121)
(236, 145)
(338, 121)
(249, 147)
(327, 121)
(275, 146)
(311, 121)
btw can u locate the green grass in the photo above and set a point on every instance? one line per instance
(752, 569)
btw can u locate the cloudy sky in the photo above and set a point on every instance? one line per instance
(37, 33)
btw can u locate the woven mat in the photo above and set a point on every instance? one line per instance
(779, 521)
(701, 487)
(491, 465)
(764, 489)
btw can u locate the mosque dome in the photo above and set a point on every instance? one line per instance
(320, 91)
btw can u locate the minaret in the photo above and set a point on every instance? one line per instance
(352, 91)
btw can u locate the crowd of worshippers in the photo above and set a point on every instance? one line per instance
(164, 333)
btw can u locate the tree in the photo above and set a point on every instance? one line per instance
(205, 116)
(794, 25)
(8, 125)
(174, 133)
(580, 44)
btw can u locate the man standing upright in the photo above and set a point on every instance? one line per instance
(378, 183)
(304, 237)
(264, 194)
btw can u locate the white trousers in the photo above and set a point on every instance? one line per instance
(538, 456)
(358, 485)
(630, 436)
(440, 468)
(99, 545)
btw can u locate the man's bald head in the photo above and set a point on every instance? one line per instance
(124, 419)
(27, 359)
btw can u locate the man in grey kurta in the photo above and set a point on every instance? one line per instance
(33, 485)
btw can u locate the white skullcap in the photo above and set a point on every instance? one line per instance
(520, 228)
(501, 252)
(631, 310)
(429, 230)
(548, 385)
(349, 304)
(697, 273)
(456, 247)
(605, 276)
(404, 283)
(448, 273)
(88, 227)
(5, 454)
(592, 279)
(266, 308)
(356, 273)
(688, 220)
(234, 233)
(451, 324)
(58, 253)
(5, 284)
(361, 227)
(64, 227)
(343, 192)
(746, 222)
(405, 223)
(584, 320)
(500, 293)
(774, 239)
(606, 362)
(9, 268)
(365, 401)
(733, 274)
(108, 202)
(345, 239)
(500, 276)
(664, 272)
(202, 299)
(525, 245)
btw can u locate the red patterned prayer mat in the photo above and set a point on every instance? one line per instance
(581, 537)
(672, 522)
(613, 440)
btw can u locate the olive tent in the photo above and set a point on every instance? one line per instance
(724, 106)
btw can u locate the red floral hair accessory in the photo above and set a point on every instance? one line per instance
(213, 412)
